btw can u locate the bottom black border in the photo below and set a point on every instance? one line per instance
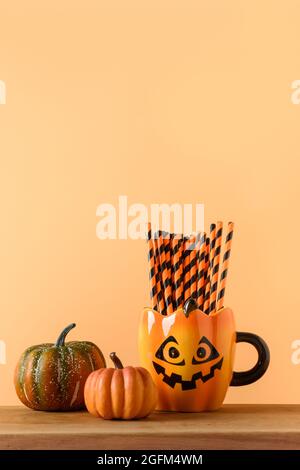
(139, 459)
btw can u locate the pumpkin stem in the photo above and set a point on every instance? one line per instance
(117, 363)
(189, 305)
(61, 339)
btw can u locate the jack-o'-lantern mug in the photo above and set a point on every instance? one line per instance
(190, 356)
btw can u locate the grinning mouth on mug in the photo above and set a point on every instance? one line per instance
(174, 379)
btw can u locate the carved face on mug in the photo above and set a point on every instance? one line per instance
(171, 356)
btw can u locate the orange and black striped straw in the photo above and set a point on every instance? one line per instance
(201, 270)
(166, 270)
(168, 252)
(172, 246)
(159, 286)
(172, 270)
(152, 270)
(206, 270)
(211, 257)
(177, 250)
(186, 269)
(225, 264)
(215, 268)
(193, 267)
(159, 281)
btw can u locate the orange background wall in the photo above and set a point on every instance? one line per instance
(162, 101)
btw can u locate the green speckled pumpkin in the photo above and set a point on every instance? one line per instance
(51, 377)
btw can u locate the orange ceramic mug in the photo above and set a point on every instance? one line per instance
(190, 356)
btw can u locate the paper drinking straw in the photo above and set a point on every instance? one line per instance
(172, 269)
(225, 264)
(186, 267)
(211, 257)
(168, 249)
(193, 266)
(174, 261)
(207, 245)
(215, 268)
(159, 282)
(180, 299)
(177, 270)
(163, 274)
(206, 296)
(167, 278)
(152, 270)
(157, 274)
(201, 270)
(206, 265)
(212, 247)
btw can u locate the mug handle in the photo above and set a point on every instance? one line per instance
(252, 375)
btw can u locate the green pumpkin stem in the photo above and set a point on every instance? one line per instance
(61, 339)
(117, 363)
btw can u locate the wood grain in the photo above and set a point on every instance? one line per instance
(231, 427)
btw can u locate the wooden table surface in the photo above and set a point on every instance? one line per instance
(231, 427)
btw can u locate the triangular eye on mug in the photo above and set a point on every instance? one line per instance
(169, 351)
(205, 352)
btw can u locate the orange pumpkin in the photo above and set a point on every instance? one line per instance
(51, 377)
(190, 356)
(120, 393)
